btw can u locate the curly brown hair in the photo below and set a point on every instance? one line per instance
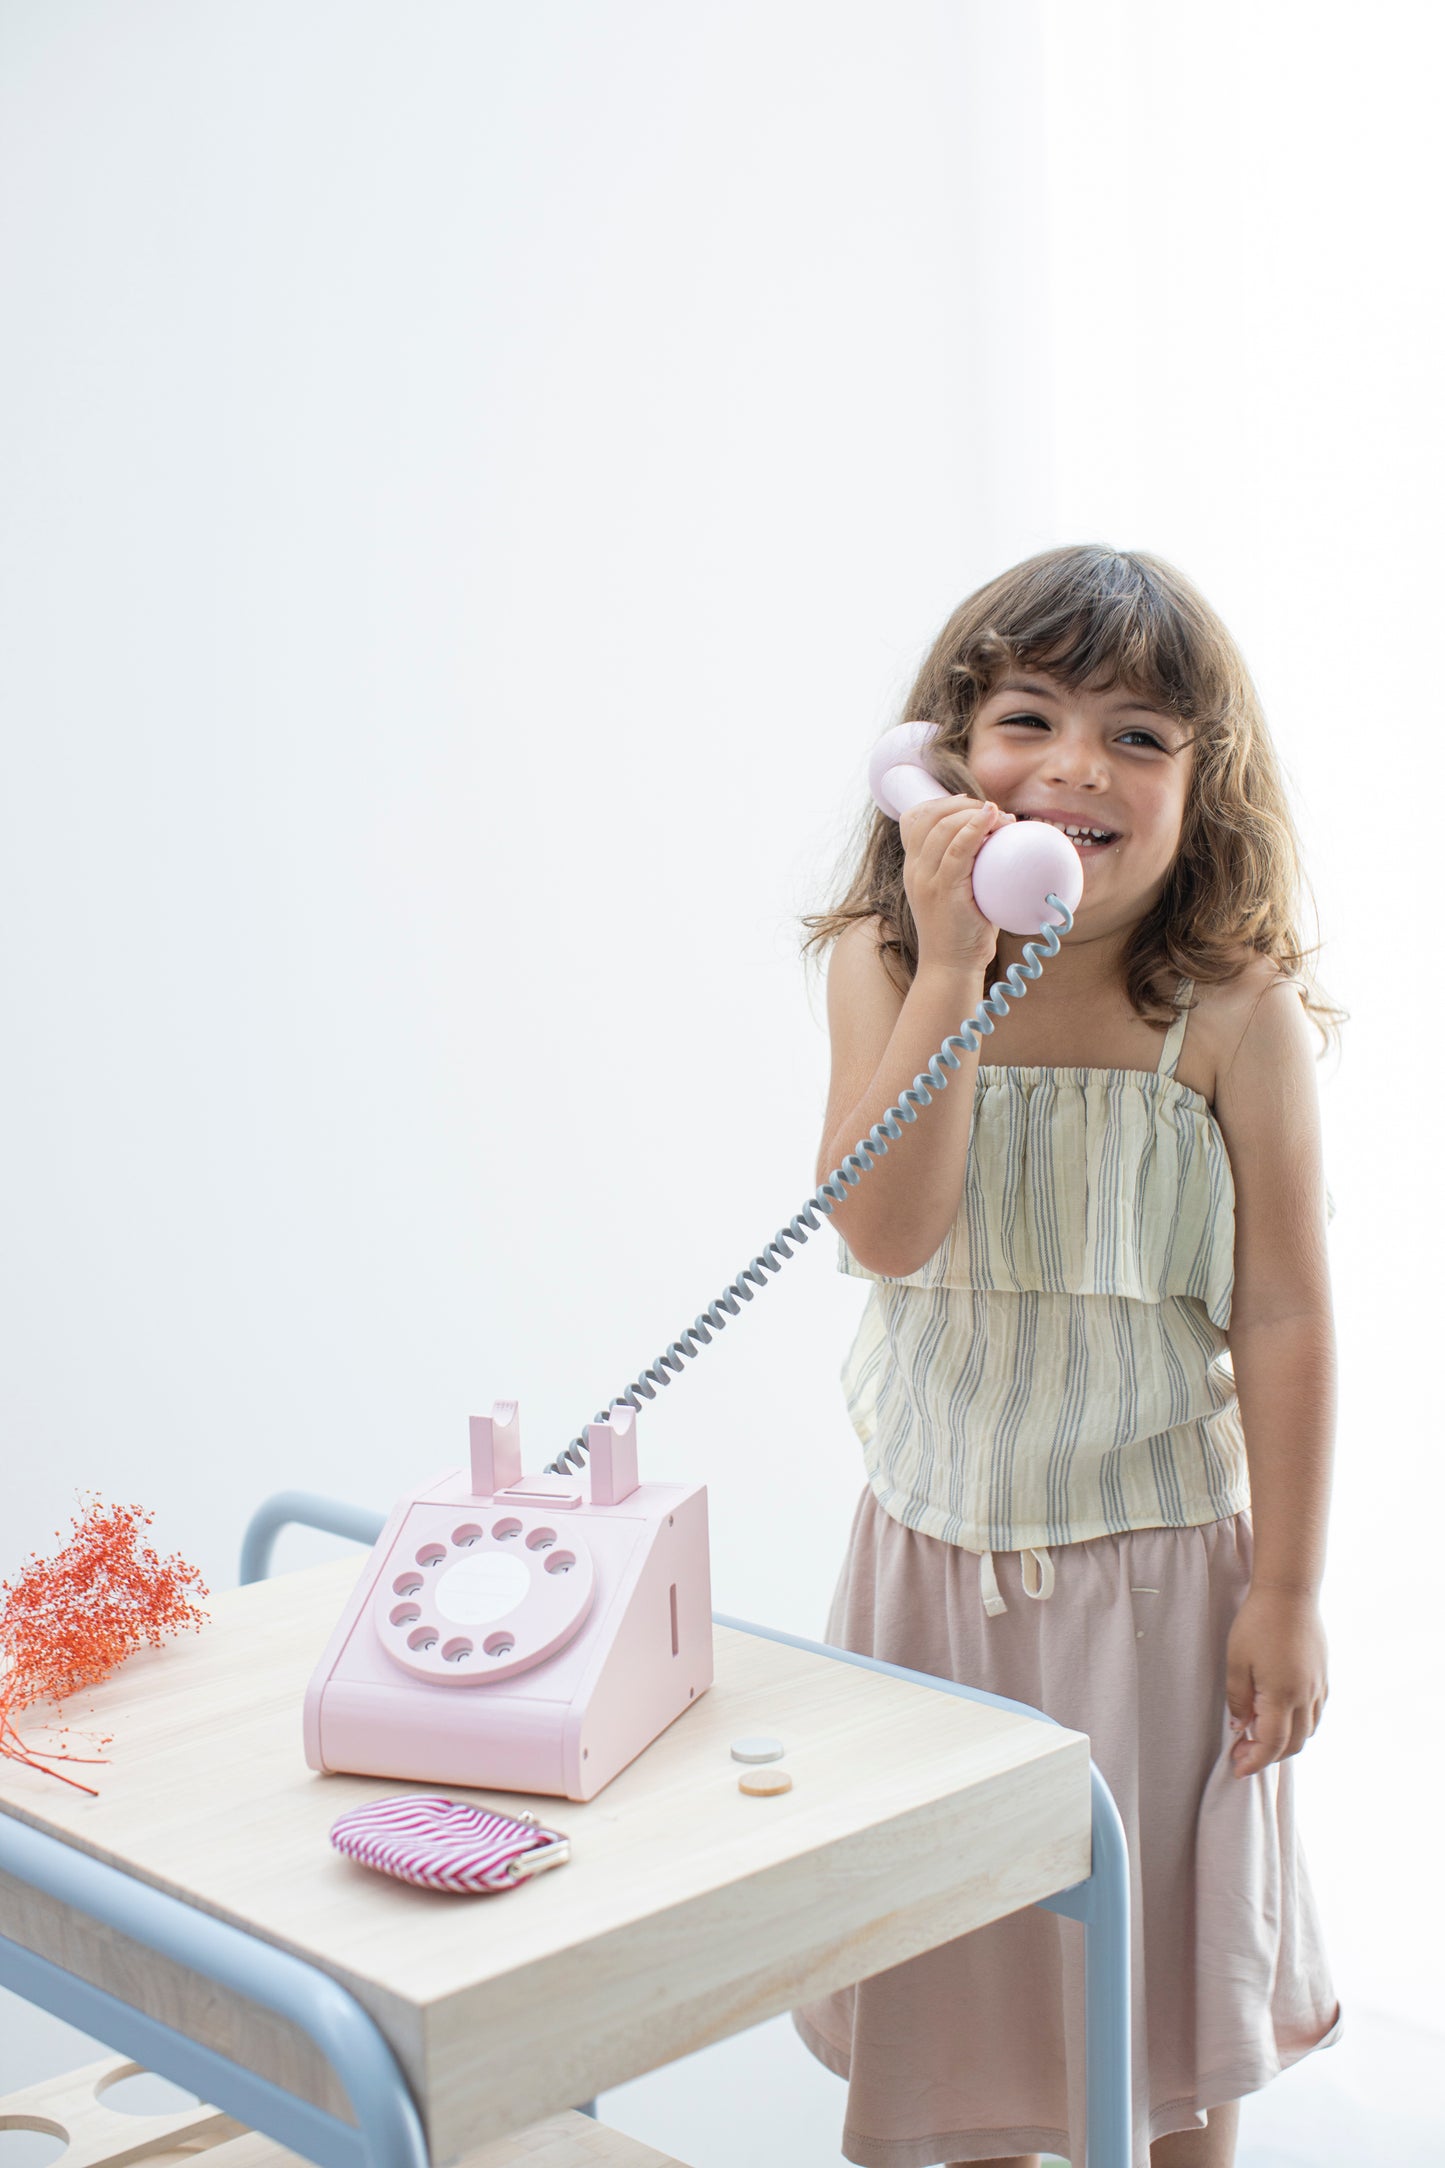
(1125, 618)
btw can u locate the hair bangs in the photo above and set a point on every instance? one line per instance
(1096, 617)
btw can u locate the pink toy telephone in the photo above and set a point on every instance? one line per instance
(510, 1633)
(513, 1635)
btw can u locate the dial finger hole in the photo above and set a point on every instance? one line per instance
(561, 1562)
(405, 1613)
(425, 1637)
(430, 1554)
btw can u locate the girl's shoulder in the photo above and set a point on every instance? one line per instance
(1225, 1011)
(871, 950)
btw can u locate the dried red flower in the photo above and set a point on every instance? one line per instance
(69, 1620)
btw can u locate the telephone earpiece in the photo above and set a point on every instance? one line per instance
(1016, 870)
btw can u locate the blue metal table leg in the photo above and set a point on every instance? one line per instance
(388, 2131)
(301, 1509)
(1102, 1903)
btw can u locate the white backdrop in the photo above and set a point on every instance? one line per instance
(476, 480)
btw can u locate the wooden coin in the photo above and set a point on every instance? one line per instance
(762, 1783)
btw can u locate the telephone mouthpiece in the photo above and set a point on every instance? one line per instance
(1017, 869)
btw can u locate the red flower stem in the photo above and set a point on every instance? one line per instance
(11, 1753)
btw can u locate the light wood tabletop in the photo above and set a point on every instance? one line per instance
(688, 1911)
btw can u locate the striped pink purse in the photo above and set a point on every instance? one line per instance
(440, 1843)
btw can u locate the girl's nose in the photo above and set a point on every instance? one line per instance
(1076, 760)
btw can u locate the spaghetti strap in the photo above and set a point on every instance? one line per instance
(1174, 1037)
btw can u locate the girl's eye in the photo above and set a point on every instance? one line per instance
(1147, 735)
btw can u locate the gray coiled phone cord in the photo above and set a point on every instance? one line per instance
(850, 1170)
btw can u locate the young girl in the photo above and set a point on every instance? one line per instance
(1094, 1379)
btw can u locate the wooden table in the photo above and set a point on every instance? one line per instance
(688, 1912)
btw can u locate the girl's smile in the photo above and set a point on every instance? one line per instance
(1088, 840)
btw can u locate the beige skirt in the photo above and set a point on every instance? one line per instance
(976, 2050)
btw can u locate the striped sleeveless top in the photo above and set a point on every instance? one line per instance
(1057, 1370)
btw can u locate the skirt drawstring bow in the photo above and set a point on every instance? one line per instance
(1043, 1578)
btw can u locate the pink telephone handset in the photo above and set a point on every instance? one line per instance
(1016, 868)
(512, 1633)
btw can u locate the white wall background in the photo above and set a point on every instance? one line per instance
(475, 482)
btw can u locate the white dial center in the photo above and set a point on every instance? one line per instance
(475, 1591)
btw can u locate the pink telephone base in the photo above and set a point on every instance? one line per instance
(512, 1635)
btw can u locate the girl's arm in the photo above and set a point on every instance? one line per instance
(1282, 1343)
(898, 1212)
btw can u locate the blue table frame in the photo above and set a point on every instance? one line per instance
(388, 2131)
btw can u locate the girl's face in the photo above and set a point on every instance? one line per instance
(1089, 758)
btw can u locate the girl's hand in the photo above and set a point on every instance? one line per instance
(1275, 1677)
(941, 839)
